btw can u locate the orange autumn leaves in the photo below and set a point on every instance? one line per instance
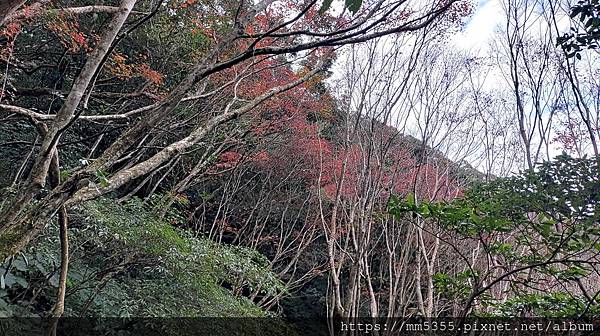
(74, 40)
(122, 68)
(187, 3)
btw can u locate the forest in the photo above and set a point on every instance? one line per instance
(279, 167)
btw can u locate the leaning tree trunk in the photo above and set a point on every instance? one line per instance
(7, 8)
(10, 230)
(29, 220)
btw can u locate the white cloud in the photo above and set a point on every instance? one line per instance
(479, 29)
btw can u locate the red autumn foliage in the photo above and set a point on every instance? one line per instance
(67, 30)
(570, 135)
(10, 31)
(336, 169)
(325, 167)
(282, 111)
(228, 160)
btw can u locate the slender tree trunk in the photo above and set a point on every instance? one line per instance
(7, 8)
(59, 306)
(63, 222)
(65, 116)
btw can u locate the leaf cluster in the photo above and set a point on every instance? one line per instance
(587, 12)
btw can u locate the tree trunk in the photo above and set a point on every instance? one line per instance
(7, 8)
(65, 116)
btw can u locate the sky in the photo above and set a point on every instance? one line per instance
(479, 30)
(486, 17)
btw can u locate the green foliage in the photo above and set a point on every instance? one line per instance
(551, 305)
(325, 6)
(127, 262)
(352, 5)
(192, 262)
(453, 287)
(183, 43)
(102, 177)
(588, 14)
(565, 191)
(545, 220)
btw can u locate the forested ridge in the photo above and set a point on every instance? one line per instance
(296, 161)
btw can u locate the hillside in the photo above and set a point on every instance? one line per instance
(290, 167)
